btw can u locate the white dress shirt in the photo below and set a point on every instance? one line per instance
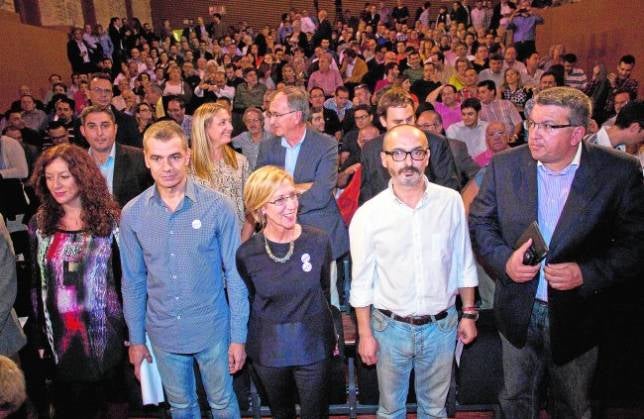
(411, 261)
(473, 137)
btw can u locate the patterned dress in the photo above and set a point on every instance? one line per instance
(230, 182)
(77, 304)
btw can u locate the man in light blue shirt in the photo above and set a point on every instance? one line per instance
(178, 244)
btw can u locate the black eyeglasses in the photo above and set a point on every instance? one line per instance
(401, 155)
(281, 201)
(547, 127)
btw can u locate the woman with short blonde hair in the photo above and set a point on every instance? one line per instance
(291, 337)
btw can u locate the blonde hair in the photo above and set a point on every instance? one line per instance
(259, 188)
(164, 131)
(202, 164)
(12, 386)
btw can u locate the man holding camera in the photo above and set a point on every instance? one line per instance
(547, 310)
(524, 26)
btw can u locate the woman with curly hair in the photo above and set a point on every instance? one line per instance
(215, 163)
(78, 318)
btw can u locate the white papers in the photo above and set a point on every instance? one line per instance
(151, 387)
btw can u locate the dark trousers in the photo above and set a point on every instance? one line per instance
(85, 400)
(524, 369)
(311, 382)
(524, 49)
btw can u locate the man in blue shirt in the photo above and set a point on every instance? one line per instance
(178, 244)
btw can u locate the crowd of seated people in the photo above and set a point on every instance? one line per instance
(160, 118)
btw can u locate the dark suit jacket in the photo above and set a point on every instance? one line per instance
(76, 60)
(317, 162)
(467, 168)
(601, 228)
(12, 337)
(131, 177)
(127, 132)
(440, 170)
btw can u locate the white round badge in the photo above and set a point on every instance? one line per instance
(306, 258)
(306, 267)
(196, 224)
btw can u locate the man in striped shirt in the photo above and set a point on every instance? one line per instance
(547, 311)
(574, 76)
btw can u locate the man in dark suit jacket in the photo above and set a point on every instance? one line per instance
(122, 166)
(396, 108)
(589, 203)
(100, 94)
(312, 158)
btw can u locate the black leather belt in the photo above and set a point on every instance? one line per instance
(415, 320)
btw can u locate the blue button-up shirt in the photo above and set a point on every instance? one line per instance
(174, 265)
(291, 154)
(553, 189)
(107, 168)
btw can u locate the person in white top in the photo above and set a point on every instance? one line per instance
(471, 129)
(628, 129)
(411, 255)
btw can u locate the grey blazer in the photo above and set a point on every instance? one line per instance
(317, 162)
(12, 337)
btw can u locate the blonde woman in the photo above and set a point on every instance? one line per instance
(215, 163)
(291, 336)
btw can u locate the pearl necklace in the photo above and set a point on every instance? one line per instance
(283, 259)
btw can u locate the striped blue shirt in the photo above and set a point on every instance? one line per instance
(174, 265)
(553, 189)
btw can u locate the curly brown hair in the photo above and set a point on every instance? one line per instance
(100, 212)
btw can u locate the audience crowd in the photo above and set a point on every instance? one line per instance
(197, 188)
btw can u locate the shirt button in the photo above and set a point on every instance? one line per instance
(174, 277)
(176, 298)
(179, 317)
(171, 254)
(171, 232)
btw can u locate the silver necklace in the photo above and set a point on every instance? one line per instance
(283, 259)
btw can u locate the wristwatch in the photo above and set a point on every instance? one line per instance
(472, 316)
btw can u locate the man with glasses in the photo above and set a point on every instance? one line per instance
(396, 107)
(248, 141)
(100, 94)
(312, 159)
(431, 122)
(547, 312)
(332, 124)
(411, 256)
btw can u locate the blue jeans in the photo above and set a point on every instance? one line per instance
(525, 368)
(178, 377)
(428, 349)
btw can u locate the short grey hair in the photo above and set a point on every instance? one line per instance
(579, 105)
(297, 99)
